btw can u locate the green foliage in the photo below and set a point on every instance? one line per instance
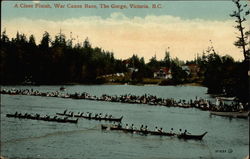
(179, 75)
(242, 41)
(58, 61)
(222, 75)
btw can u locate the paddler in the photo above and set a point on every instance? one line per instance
(119, 125)
(185, 132)
(160, 130)
(141, 128)
(132, 127)
(126, 127)
(156, 129)
(171, 131)
(180, 132)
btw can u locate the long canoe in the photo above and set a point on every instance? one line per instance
(244, 114)
(189, 136)
(139, 131)
(100, 118)
(92, 118)
(62, 114)
(45, 118)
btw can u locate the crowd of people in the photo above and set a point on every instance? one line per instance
(148, 99)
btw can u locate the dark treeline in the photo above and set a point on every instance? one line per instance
(53, 62)
(223, 75)
(59, 62)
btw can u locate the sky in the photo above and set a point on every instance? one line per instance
(184, 28)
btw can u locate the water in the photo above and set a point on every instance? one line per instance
(22, 138)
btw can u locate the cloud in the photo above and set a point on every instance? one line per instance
(143, 36)
(36, 1)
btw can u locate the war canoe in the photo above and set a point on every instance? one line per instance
(91, 117)
(45, 118)
(139, 131)
(11, 115)
(189, 136)
(72, 121)
(64, 114)
(106, 119)
(244, 114)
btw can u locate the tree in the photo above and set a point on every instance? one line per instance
(45, 41)
(17, 37)
(32, 40)
(167, 59)
(86, 43)
(4, 37)
(60, 40)
(153, 63)
(240, 15)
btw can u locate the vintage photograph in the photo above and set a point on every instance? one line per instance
(125, 79)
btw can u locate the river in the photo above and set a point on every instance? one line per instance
(22, 138)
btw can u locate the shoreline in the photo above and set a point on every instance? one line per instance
(108, 83)
(147, 99)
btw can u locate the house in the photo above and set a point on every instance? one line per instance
(163, 73)
(132, 69)
(191, 69)
(126, 62)
(194, 69)
(130, 66)
(186, 69)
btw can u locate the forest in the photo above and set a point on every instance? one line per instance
(53, 62)
(58, 61)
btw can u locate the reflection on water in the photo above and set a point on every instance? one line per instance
(22, 138)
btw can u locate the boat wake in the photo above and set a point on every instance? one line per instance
(58, 133)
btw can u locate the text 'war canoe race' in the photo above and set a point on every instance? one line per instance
(155, 133)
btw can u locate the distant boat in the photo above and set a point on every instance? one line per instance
(62, 88)
(243, 114)
(227, 98)
(28, 82)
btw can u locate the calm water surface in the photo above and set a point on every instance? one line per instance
(41, 140)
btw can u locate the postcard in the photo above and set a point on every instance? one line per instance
(124, 79)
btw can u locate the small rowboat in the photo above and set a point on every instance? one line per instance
(104, 127)
(227, 98)
(62, 89)
(194, 137)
